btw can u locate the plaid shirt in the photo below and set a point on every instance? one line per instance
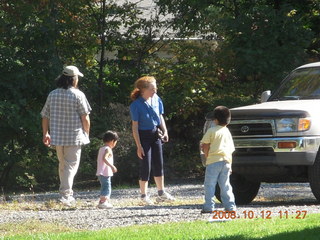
(64, 108)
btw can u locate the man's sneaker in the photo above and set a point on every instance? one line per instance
(165, 197)
(146, 201)
(68, 201)
(105, 205)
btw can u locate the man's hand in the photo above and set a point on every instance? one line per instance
(46, 140)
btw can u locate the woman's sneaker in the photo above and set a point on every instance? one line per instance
(105, 205)
(165, 197)
(146, 201)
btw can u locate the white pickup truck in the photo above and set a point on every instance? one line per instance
(278, 139)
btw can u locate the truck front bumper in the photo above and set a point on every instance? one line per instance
(265, 151)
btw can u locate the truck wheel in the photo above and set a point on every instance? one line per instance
(244, 190)
(314, 177)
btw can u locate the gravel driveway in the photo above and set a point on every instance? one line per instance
(273, 200)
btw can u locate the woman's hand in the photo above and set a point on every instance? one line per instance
(165, 137)
(163, 127)
(140, 152)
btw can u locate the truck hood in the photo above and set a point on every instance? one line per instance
(277, 109)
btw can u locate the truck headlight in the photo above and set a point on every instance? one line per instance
(292, 124)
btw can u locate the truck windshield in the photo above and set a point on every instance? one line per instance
(300, 84)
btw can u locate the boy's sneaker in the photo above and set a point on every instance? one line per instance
(68, 201)
(203, 211)
(146, 201)
(231, 209)
(165, 197)
(105, 205)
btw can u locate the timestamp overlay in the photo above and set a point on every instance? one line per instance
(263, 214)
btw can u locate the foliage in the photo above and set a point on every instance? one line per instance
(19, 73)
(262, 61)
(241, 48)
(35, 43)
(259, 41)
(195, 82)
(181, 159)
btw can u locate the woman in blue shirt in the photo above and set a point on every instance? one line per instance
(146, 113)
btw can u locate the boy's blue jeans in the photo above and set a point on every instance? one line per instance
(218, 172)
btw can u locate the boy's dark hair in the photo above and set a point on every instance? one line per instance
(65, 82)
(222, 114)
(109, 136)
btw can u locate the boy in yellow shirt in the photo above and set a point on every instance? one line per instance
(217, 145)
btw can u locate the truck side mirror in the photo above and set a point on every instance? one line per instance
(265, 96)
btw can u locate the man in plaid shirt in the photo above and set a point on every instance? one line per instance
(66, 125)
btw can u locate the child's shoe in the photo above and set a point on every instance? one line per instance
(165, 197)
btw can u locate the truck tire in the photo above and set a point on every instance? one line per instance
(314, 177)
(244, 190)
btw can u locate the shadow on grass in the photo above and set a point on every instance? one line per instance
(307, 234)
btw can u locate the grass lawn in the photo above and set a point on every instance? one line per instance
(240, 229)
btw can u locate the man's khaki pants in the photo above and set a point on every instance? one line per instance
(69, 160)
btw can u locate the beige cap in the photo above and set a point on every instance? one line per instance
(71, 71)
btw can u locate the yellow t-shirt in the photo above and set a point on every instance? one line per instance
(221, 144)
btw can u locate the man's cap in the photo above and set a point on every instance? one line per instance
(71, 71)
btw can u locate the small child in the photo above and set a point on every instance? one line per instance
(217, 145)
(105, 168)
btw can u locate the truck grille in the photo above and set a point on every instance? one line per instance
(250, 129)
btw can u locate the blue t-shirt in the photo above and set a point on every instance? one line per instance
(147, 115)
